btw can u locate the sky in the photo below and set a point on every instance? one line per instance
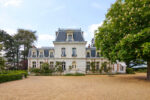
(46, 16)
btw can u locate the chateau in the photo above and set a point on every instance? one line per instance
(70, 49)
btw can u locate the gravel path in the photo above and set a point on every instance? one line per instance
(90, 87)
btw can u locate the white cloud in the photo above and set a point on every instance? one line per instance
(45, 37)
(44, 40)
(92, 28)
(10, 31)
(6, 3)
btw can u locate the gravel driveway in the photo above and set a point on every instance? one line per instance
(90, 87)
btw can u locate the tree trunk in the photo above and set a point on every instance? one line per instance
(148, 69)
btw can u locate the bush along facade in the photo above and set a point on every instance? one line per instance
(6, 76)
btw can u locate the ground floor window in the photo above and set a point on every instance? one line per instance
(41, 64)
(34, 64)
(87, 66)
(51, 64)
(121, 68)
(73, 64)
(97, 65)
(64, 65)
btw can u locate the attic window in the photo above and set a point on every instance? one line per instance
(69, 37)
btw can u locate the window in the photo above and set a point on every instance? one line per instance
(51, 54)
(63, 65)
(69, 37)
(74, 52)
(41, 54)
(63, 54)
(88, 54)
(73, 64)
(121, 68)
(98, 55)
(87, 66)
(41, 64)
(34, 64)
(51, 64)
(33, 54)
(97, 65)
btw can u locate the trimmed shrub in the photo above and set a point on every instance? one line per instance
(130, 71)
(12, 75)
(35, 70)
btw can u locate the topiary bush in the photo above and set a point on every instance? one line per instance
(130, 71)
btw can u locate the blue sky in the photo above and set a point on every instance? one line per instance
(46, 16)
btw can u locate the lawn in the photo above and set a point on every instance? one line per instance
(89, 87)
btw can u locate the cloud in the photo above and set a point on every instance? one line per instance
(92, 28)
(6, 3)
(10, 31)
(44, 40)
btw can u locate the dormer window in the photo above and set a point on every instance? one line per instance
(41, 54)
(51, 54)
(98, 54)
(88, 54)
(69, 37)
(33, 54)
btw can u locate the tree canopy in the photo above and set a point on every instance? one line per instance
(125, 33)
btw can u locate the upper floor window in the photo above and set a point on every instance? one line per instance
(69, 37)
(51, 54)
(33, 54)
(41, 54)
(88, 54)
(63, 52)
(74, 53)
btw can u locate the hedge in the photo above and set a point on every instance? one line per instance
(130, 71)
(75, 74)
(12, 75)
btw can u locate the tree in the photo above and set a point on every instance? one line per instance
(9, 46)
(25, 38)
(124, 34)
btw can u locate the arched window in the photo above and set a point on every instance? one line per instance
(74, 64)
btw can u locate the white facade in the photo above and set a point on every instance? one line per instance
(70, 48)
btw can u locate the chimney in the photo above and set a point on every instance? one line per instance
(33, 46)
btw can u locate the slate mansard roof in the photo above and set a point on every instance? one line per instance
(45, 49)
(62, 35)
